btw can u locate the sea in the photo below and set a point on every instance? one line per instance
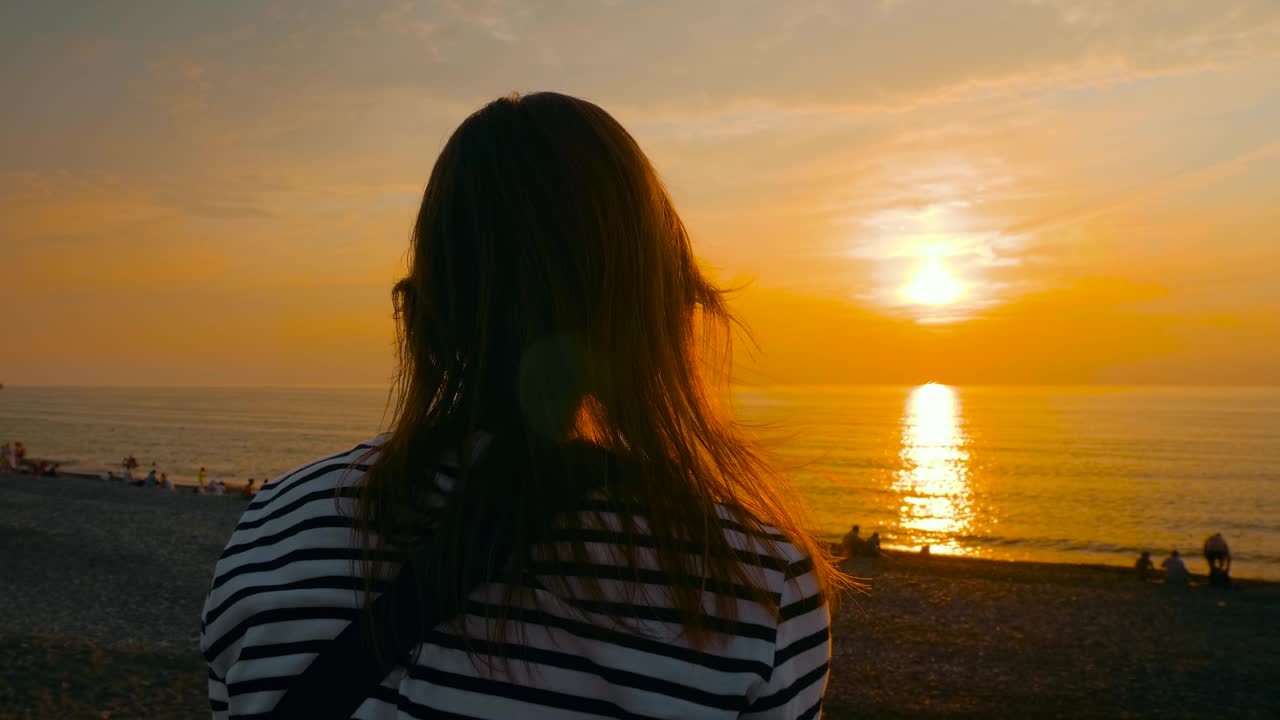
(1062, 474)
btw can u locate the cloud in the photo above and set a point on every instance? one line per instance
(1181, 182)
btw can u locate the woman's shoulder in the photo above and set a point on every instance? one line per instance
(291, 565)
(345, 467)
(747, 533)
(308, 505)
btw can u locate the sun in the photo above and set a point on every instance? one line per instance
(933, 285)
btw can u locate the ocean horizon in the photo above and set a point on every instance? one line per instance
(1065, 473)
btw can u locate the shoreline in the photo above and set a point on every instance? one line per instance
(998, 569)
(105, 623)
(183, 484)
(991, 568)
(1192, 560)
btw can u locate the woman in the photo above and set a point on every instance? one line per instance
(562, 520)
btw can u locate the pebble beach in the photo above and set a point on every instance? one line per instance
(103, 585)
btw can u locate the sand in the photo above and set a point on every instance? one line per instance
(103, 586)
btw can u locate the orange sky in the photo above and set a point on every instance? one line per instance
(221, 194)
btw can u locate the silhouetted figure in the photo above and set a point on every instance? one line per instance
(873, 545)
(553, 322)
(200, 480)
(248, 490)
(1218, 555)
(151, 480)
(166, 483)
(1175, 570)
(1216, 552)
(926, 550)
(1144, 566)
(853, 543)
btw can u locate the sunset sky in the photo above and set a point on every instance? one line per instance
(220, 193)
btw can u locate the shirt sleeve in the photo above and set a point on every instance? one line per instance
(802, 653)
(218, 708)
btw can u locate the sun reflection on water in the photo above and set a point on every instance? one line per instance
(933, 482)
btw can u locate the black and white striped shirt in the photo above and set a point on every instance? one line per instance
(290, 580)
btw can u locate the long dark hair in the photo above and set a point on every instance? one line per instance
(557, 337)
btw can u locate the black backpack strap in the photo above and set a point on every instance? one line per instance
(345, 673)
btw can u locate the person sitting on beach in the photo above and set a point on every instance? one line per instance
(853, 543)
(166, 483)
(248, 490)
(1144, 566)
(595, 535)
(873, 545)
(1175, 570)
(151, 480)
(219, 488)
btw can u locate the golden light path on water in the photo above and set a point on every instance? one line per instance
(933, 481)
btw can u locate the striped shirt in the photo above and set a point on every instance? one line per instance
(291, 579)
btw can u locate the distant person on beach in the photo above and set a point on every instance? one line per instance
(1175, 570)
(853, 544)
(873, 545)
(553, 425)
(5, 462)
(1144, 566)
(248, 490)
(151, 480)
(926, 550)
(1218, 555)
(166, 483)
(200, 480)
(219, 488)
